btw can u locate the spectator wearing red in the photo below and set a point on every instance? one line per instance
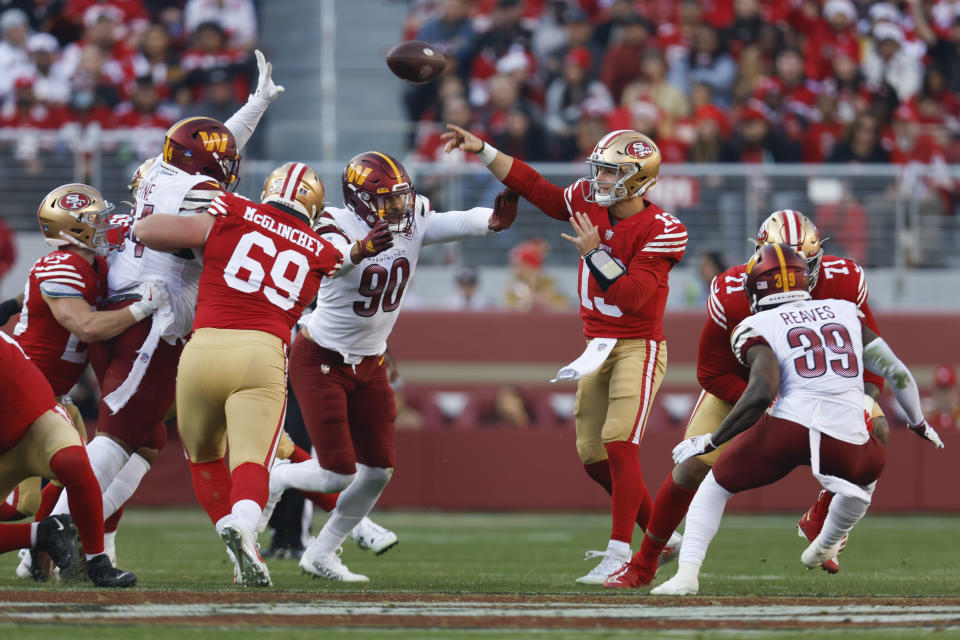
(835, 34)
(142, 110)
(129, 15)
(861, 144)
(622, 63)
(826, 130)
(100, 54)
(566, 95)
(755, 140)
(24, 111)
(576, 34)
(237, 18)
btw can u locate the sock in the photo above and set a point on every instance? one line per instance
(212, 484)
(73, 470)
(124, 484)
(106, 459)
(111, 524)
(600, 472)
(310, 476)
(845, 512)
(354, 504)
(8, 508)
(703, 520)
(618, 549)
(48, 499)
(299, 455)
(630, 498)
(247, 513)
(326, 501)
(668, 510)
(16, 536)
(251, 481)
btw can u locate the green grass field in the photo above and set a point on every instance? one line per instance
(487, 553)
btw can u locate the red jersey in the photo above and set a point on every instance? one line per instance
(24, 393)
(718, 371)
(646, 245)
(261, 267)
(59, 355)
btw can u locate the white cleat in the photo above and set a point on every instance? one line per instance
(276, 492)
(611, 562)
(370, 536)
(249, 565)
(330, 567)
(678, 585)
(23, 569)
(670, 550)
(816, 554)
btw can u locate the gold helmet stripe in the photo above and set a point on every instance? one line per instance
(392, 164)
(783, 266)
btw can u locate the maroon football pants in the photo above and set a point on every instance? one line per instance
(774, 447)
(348, 410)
(139, 423)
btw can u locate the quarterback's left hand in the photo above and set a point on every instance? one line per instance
(504, 210)
(588, 235)
(927, 432)
(266, 89)
(692, 447)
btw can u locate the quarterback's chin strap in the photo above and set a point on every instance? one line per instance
(603, 267)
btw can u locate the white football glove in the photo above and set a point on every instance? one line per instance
(153, 297)
(692, 447)
(927, 432)
(266, 89)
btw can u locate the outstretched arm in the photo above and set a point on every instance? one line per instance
(243, 123)
(498, 162)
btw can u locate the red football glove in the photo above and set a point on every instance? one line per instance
(504, 210)
(377, 241)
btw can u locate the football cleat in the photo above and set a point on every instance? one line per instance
(23, 569)
(370, 536)
(631, 576)
(678, 585)
(811, 523)
(816, 554)
(329, 566)
(56, 539)
(612, 562)
(104, 574)
(250, 568)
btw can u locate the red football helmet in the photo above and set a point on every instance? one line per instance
(776, 274)
(377, 187)
(205, 146)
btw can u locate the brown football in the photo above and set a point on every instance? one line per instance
(415, 61)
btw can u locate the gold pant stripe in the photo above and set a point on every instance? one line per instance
(231, 392)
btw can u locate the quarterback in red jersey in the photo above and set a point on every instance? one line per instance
(262, 264)
(627, 246)
(724, 379)
(37, 439)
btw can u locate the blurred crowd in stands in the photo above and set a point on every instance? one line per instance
(741, 81)
(79, 66)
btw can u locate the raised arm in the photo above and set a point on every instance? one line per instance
(243, 123)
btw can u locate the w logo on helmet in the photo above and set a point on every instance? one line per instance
(73, 201)
(357, 174)
(214, 141)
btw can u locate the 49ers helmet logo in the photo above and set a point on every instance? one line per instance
(639, 150)
(73, 201)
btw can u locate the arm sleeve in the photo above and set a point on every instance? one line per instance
(716, 372)
(447, 226)
(548, 197)
(870, 322)
(879, 358)
(243, 123)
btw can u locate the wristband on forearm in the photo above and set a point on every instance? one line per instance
(603, 267)
(487, 154)
(8, 309)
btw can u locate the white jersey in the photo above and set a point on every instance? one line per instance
(356, 310)
(819, 345)
(165, 189)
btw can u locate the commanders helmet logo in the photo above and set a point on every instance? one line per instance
(639, 150)
(73, 201)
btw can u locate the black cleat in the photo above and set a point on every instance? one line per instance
(103, 574)
(56, 542)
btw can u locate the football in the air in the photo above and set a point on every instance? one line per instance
(415, 61)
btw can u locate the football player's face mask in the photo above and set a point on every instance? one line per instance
(377, 187)
(625, 164)
(78, 214)
(397, 209)
(791, 227)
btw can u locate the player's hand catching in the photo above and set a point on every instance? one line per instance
(376, 242)
(458, 138)
(692, 447)
(588, 235)
(927, 432)
(504, 210)
(153, 297)
(266, 89)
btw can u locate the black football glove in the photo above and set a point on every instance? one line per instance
(504, 210)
